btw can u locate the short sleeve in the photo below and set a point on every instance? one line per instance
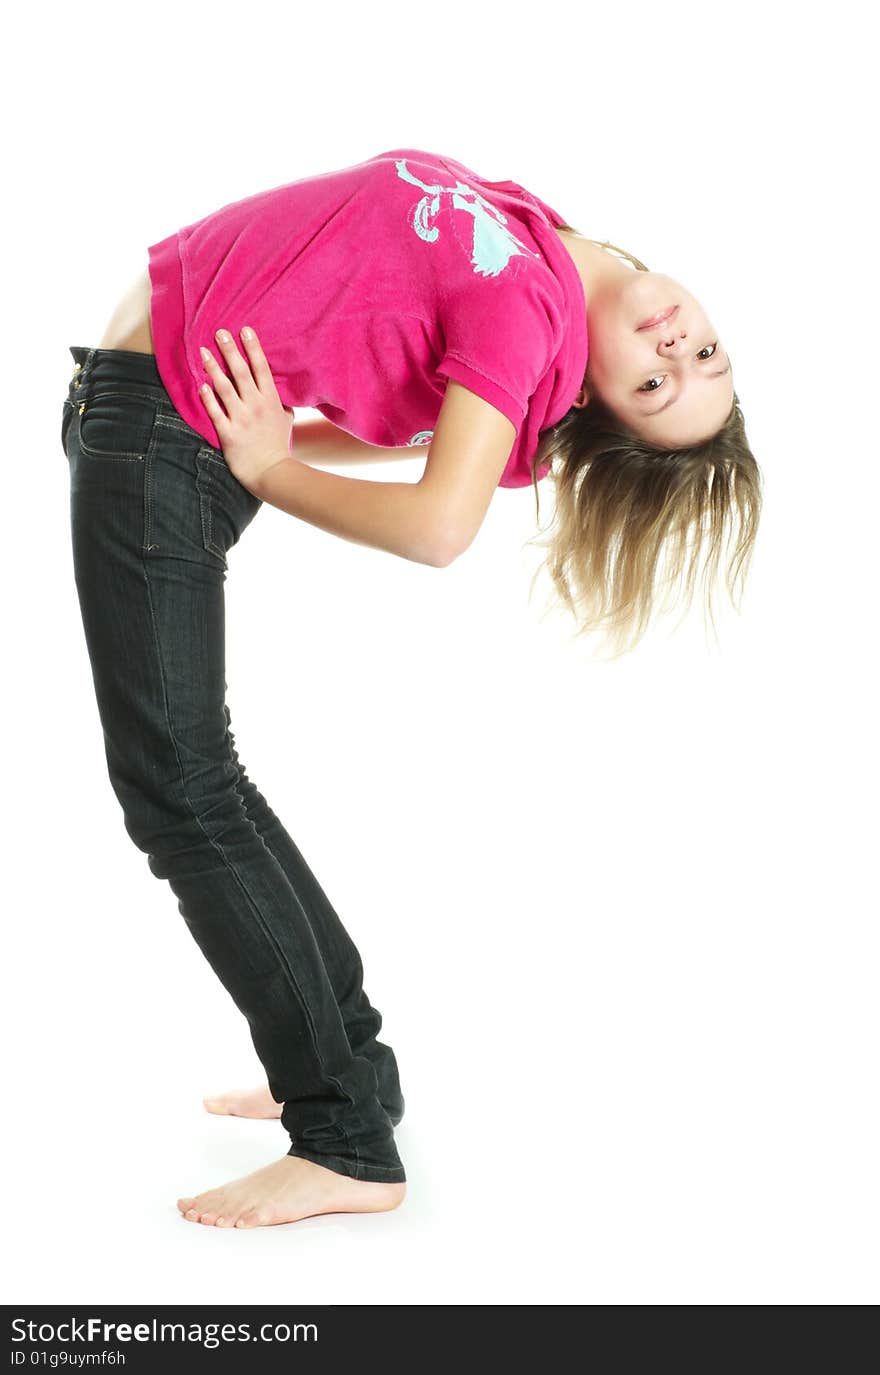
(500, 339)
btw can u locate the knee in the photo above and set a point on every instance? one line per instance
(170, 814)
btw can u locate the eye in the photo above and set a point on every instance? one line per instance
(646, 385)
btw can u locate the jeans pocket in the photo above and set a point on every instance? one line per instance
(227, 508)
(117, 424)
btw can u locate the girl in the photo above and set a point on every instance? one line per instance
(411, 303)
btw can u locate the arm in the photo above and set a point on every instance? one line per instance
(320, 443)
(430, 521)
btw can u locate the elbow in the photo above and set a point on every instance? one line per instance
(439, 557)
(445, 549)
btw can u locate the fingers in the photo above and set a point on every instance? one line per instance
(224, 387)
(249, 375)
(237, 365)
(247, 371)
(259, 364)
(214, 409)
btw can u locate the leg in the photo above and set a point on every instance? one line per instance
(341, 959)
(154, 512)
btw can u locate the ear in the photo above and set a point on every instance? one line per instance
(582, 399)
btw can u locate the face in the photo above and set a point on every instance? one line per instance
(671, 383)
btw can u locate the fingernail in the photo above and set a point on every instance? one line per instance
(222, 335)
(247, 332)
(206, 354)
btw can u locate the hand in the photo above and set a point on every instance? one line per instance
(252, 425)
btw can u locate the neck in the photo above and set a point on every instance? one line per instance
(596, 266)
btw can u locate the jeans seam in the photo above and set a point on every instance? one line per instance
(219, 849)
(148, 504)
(176, 422)
(206, 510)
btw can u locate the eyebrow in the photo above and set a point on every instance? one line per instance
(672, 400)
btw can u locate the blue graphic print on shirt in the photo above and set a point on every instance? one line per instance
(493, 245)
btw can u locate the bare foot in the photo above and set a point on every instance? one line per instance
(245, 1103)
(286, 1191)
(258, 1103)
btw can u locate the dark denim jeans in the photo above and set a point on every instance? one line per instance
(154, 512)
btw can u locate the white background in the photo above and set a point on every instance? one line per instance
(620, 918)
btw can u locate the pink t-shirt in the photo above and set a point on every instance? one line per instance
(369, 287)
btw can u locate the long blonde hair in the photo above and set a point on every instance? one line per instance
(631, 516)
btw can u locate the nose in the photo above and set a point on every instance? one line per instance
(668, 341)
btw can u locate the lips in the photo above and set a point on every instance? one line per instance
(660, 319)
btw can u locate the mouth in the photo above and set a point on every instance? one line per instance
(660, 319)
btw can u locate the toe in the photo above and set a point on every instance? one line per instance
(208, 1219)
(192, 1214)
(184, 1204)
